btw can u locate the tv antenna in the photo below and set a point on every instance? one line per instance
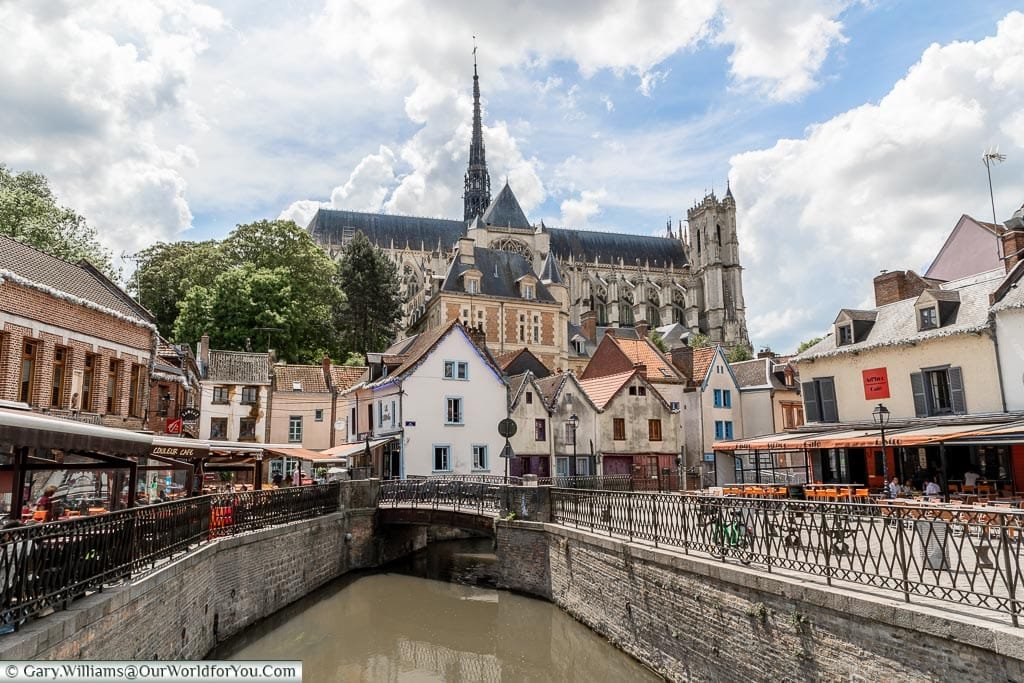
(992, 156)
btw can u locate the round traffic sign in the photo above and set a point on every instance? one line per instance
(507, 428)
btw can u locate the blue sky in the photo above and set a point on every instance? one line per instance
(851, 131)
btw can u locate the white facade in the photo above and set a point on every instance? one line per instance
(229, 406)
(1010, 340)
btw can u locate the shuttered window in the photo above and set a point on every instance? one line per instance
(938, 391)
(820, 400)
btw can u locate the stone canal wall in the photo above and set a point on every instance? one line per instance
(691, 619)
(183, 610)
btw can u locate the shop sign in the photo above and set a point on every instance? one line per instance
(876, 384)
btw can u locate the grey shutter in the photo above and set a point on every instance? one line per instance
(920, 397)
(827, 394)
(956, 391)
(810, 393)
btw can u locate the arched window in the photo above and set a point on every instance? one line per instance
(653, 316)
(626, 314)
(513, 246)
(602, 312)
(718, 234)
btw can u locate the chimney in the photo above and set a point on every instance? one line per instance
(204, 349)
(765, 353)
(466, 255)
(477, 335)
(897, 285)
(325, 363)
(642, 328)
(609, 332)
(682, 358)
(588, 325)
(1013, 245)
(641, 368)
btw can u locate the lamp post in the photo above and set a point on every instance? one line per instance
(881, 417)
(573, 423)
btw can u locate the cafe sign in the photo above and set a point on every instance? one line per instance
(182, 451)
(876, 384)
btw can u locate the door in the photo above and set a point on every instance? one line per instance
(561, 467)
(616, 465)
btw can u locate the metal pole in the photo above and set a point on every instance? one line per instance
(885, 465)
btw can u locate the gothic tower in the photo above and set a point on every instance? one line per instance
(715, 306)
(477, 194)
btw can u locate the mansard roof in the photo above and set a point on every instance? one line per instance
(505, 211)
(611, 247)
(500, 270)
(383, 230)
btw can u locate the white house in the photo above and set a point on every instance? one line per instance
(235, 394)
(433, 409)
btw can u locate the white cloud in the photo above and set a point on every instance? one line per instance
(81, 89)
(609, 105)
(878, 186)
(650, 80)
(576, 213)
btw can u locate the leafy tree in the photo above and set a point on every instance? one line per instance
(166, 273)
(272, 275)
(29, 213)
(355, 360)
(804, 345)
(372, 304)
(658, 342)
(699, 341)
(738, 354)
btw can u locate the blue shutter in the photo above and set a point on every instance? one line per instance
(718, 429)
(718, 398)
(728, 429)
(956, 391)
(920, 397)
(811, 411)
(727, 398)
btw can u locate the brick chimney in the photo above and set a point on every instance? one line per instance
(466, 255)
(1013, 246)
(477, 335)
(641, 368)
(682, 358)
(642, 328)
(588, 325)
(204, 349)
(897, 285)
(325, 363)
(765, 353)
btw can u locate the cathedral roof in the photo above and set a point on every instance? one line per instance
(500, 271)
(549, 273)
(328, 225)
(609, 247)
(505, 211)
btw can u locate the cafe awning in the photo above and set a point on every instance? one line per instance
(23, 428)
(179, 449)
(300, 453)
(775, 442)
(347, 450)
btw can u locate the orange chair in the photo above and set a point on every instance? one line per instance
(39, 516)
(861, 495)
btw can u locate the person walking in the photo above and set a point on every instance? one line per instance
(45, 503)
(297, 475)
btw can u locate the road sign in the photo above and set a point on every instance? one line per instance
(507, 451)
(173, 426)
(190, 414)
(507, 428)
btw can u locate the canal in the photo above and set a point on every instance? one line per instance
(421, 620)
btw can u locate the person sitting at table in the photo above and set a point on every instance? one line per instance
(894, 488)
(931, 488)
(971, 477)
(45, 503)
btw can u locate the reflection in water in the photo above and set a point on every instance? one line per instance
(396, 627)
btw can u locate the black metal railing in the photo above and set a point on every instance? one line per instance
(46, 566)
(442, 493)
(479, 478)
(966, 555)
(615, 482)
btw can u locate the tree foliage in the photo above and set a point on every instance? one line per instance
(804, 345)
(267, 281)
(699, 341)
(738, 354)
(372, 305)
(658, 342)
(30, 213)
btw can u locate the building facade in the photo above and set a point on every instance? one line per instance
(691, 277)
(236, 394)
(770, 394)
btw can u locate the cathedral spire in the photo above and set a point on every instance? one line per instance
(477, 194)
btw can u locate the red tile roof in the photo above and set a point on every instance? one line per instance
(643, 351)
(345, 376)
(702, 359)
(601, 390)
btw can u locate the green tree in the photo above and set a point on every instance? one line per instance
(804, 345)
(272, 275)
(699, 341)
(372, 304)
(168, 270)
(658, 342)
(30, 213)
(738, 354)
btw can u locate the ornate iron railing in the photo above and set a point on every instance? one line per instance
(441, 493)
(46, 566)
(479, 478)
(966, 555)
(614, 482)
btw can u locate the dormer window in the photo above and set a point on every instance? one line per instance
(577, 346)
(528, 291)
(928, 318)
(845, 333)
(472, 286)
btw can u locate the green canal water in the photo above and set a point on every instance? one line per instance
(420, 621)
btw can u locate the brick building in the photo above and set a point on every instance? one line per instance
(72, 343)
(174, 387)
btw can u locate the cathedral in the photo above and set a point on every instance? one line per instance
(540, 282)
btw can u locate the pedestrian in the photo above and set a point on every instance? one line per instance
(297, 475)
(277, 480)
(45, 503)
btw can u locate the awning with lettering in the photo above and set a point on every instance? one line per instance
(774, 442)
(179, 449)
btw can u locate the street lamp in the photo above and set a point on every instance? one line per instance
(881, 417)
(574, 422)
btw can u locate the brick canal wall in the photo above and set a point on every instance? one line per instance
(185, 609)
(691, 619)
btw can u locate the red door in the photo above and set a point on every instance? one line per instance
(617, 464)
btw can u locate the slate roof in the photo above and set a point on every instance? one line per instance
(896, 323)
(756, 373)
(346, 376)
(516, 384)
(159, 366)
(310, 378)
(550, 387)
(855, 314)
(674, 335)
(80, 280)
(238, 367)
(610, 247)
(642, 351)
(549, 272)
(383, 230)
(702, 359)
(601, 390)
(505, 211)
(499, 272)
(424, 344)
